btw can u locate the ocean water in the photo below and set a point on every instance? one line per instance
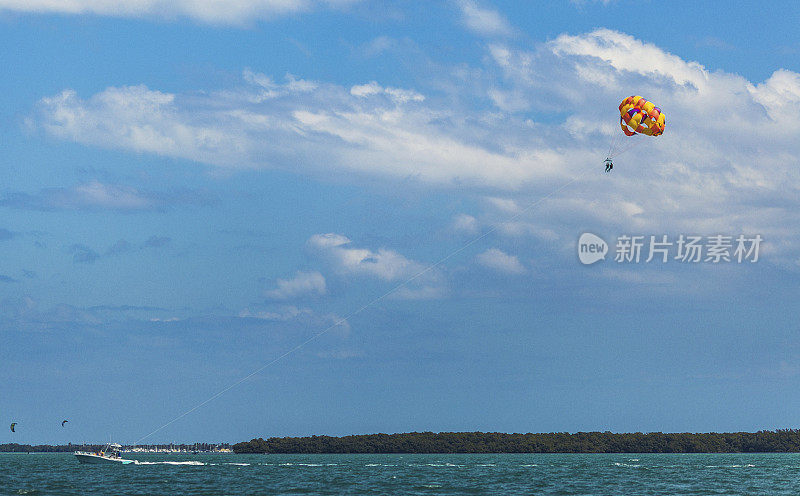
(506, 474)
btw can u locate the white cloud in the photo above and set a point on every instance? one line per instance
(96, 195)
(625, 53)
(206, 11)
(303, 315)
(420, 293)
(465, 223)
(317, 127)
(483, 21)
(501, 261)
(382, 263)
(328, 240)
(397, 94)
(419, 280)
(505, 205)
(524, 228)
(726, 163)
(140, 119)
(379, 45)
(302, 284)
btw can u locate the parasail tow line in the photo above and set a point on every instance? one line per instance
(396, 288)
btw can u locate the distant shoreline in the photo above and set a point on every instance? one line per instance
(778, 441)
(141, 448)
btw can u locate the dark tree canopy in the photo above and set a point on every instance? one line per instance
(787, 440)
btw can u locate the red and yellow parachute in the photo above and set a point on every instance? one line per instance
(638, 116)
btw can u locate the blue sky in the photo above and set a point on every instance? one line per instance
(192, 191)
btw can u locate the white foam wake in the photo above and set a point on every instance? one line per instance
(189, 462)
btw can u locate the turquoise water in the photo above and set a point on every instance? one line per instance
(617, 474)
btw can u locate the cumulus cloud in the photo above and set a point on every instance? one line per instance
(501, 261)
(420, 281)
(733, 172)
(379, 45)
(302, 284)
(141, 119)
(397, 94)
(465, 223)
(382, 263)
(235, 12)
(482, 20)
(505, 205)
(316, 127)
(726, 163)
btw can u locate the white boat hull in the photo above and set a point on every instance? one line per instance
(95, 459)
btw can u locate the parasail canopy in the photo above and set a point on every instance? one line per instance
(639, 116)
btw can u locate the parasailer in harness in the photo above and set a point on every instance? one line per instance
(609, 165)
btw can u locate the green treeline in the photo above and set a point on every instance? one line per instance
(786, 440)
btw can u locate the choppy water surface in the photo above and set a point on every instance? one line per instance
(619, 474)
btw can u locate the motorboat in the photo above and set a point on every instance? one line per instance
(110, 454)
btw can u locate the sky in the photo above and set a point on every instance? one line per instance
(352, 216)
